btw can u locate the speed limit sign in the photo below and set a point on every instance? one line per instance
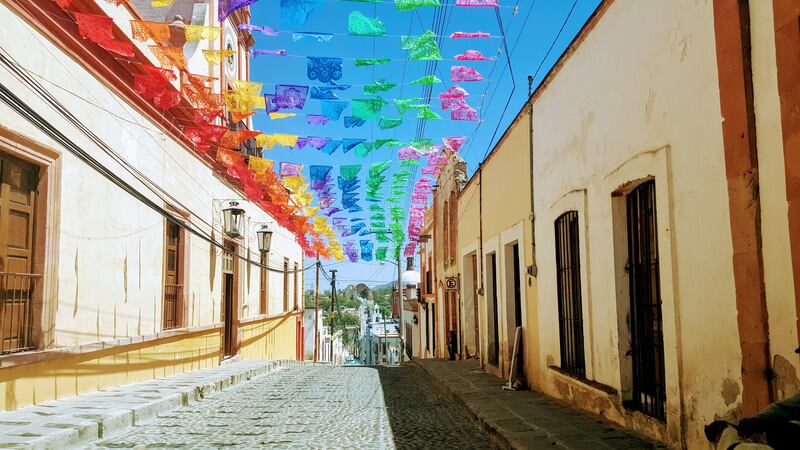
(451, 283)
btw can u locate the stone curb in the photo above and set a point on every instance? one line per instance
(79, 420)
(497, 437)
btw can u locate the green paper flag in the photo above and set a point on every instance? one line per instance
(407, 5)
(426, 113)
(390, 142)
(387, 123)
(349, 172)
(378, 86)
(363, 149)
(361, 62)
(361, 25)
(380, 253)
(409, 163)
(421, 142)
(422, 47)
(430, 79)
(403, 104)
(367, 109)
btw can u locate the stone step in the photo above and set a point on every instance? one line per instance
(78, 420)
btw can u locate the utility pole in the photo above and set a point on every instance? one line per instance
(385, 341)
(533, 270)
(316, 315)
(333, 299)
(402, 327)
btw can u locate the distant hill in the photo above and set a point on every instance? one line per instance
(390, 284)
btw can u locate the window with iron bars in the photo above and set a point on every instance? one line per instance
(647, 332)
(568, 281)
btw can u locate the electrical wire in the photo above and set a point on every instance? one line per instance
(24, 110)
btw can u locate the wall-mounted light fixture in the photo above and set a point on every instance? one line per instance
(264, 238)
(232, 219)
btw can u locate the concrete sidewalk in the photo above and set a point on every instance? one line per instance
(526, 419)
(79, 420)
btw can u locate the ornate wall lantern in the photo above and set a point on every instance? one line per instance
(233, 219)
(264, 238)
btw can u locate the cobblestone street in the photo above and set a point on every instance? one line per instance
(315, 407)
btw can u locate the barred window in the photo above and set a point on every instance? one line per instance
(568, 280)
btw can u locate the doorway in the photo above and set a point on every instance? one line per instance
(513, 308)
(19, 315)
(230, 300)
(494, 336)
(475, 314)
(649, 386)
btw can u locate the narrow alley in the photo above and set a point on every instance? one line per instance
(315, 407)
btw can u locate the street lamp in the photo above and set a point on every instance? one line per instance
(233, 219)
(264, 238)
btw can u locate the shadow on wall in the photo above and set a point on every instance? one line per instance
(67, 376)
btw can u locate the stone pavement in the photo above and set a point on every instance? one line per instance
(315, 407)
(526, 419)
(79, 420)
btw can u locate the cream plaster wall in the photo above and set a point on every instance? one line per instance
(110, 247)
(778, 276)
(647, 109)
(503, 202)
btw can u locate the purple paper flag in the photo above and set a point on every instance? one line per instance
(226, 7)
(265, 30)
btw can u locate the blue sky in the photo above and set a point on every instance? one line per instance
(531, 28)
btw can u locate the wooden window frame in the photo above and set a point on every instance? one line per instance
(178, 319)
(264, 285)
(285, 284)
(46, 245)
(296, 287)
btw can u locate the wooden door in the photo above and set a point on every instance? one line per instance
(173, 260)
(230, 304)
(18, 181)
(474, 295)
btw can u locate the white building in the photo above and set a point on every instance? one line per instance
(112, 220)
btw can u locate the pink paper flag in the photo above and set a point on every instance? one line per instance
(463, 73)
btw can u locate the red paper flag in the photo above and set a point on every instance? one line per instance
(99, 29)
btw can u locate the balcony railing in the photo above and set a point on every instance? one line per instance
(172, 296)
(16, 311)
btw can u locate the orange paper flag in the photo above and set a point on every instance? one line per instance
(232, 139)
(143, 31)
(171, 57)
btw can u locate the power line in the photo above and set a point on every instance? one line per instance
(22, 108)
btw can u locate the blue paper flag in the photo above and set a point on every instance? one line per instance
(324, 69)
(296, 12)
(333, 110)
(349, 143)
(353, 122)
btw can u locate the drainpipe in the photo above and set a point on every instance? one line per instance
(533, 270)
(480, 291)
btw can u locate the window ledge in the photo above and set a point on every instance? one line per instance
(264, 317)
(604, 388)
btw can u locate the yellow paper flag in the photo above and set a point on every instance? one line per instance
(199, 32)
(216, 56)
(277, 115)
(260, 166)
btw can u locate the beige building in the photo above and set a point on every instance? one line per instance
(495, 257)
(114, 265)
(438, 260)
(662, 290)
